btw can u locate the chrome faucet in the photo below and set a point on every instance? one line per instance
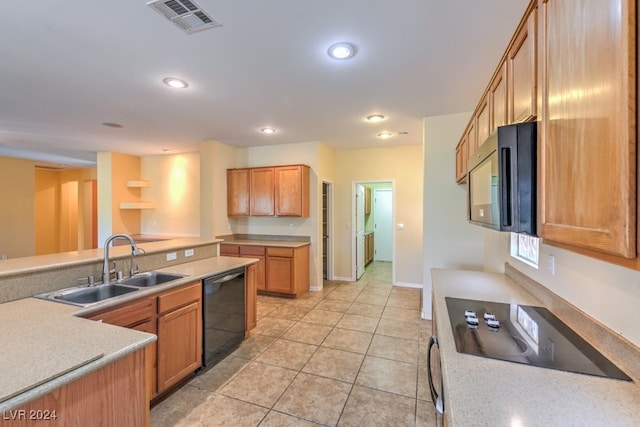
(106, 274)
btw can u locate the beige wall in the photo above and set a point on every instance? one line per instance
(449, 240)
(401, 165)
(215, 159)
(175, 190)
(17, 187)
(47, 212)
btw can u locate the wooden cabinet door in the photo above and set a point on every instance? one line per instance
(251, 300)
(179, 344)
(483, 122)
(522, 66)
(472, 138)
(367, 200)
(498, 99)
(279, 274)
(462, 155)
(587, 138)
(262, 192)
(238, 192)
(292, 190)
(256, 252)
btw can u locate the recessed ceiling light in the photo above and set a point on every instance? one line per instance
(385, 135)
(175, 83)
(374, 118)
(268, 130)
(342, 51)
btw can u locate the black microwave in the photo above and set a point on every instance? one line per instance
(501, 181)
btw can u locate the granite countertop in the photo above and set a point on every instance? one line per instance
(482, 391)
(46, 344)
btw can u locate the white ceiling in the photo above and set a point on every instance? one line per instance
(67, 66)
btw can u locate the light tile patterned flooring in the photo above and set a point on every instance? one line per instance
(353, 354)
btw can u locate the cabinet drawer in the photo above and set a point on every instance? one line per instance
(283, 252)
(252, 250)
(128, 315)
(229, 250)
(177, 298)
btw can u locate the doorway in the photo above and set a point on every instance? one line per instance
(327, 230)
(372, 204)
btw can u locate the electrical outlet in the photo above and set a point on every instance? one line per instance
(290, 226)
(171, 256)
(188, 252)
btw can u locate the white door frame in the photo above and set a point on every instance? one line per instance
(352, 237)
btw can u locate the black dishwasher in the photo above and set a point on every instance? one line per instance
(223, 307)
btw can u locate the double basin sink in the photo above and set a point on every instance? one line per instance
(86, 295)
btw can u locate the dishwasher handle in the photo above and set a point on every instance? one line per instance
(224, 277)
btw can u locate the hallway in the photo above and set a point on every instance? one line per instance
(353, 354)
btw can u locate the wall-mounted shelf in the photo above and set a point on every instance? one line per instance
(138, 184)
(137, 205)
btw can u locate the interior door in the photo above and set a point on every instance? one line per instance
(383, 209)
(360, 256)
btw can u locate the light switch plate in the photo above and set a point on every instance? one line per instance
(188, 252)
(171, 256)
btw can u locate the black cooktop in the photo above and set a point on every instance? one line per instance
(524, 334)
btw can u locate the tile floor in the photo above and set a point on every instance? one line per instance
(353, 354)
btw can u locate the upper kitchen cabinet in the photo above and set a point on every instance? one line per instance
(268, 191)
(292, 190)
(483, 121)
(587, 131)
(521, 62)
(461, 160)
(261, 192)
(498, 99)
(238, 192)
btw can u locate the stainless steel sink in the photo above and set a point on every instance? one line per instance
(151, 278)
(86, 295)
(91, 294)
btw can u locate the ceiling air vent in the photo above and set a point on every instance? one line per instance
(186, 14)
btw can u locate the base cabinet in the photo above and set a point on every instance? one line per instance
(287, 270)
(369, 248)
(179, 335)
(113, 395)
(176, 317)
(280, 270)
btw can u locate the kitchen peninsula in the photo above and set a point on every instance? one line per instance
(496, 392)
(53, 355)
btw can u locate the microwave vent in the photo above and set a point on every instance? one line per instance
(186, 14)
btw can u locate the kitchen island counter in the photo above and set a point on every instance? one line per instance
(483, 391)
(47, 344)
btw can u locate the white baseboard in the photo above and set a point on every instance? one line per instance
(409, 285)
(342, 279)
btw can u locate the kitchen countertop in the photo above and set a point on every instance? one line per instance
(273, 243)
(31, 264)
(482, 391)
(46, 345)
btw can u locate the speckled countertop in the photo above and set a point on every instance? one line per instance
(265, 242)
(46, 344)
(482, 391)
